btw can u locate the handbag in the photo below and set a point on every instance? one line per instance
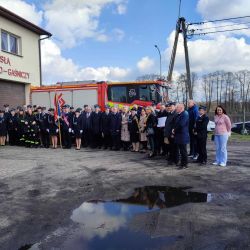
(150, 131)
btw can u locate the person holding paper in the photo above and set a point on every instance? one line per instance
(161, 119)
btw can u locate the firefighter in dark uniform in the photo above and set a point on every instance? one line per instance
(12, 128)
(72, 111)
(31, 129)
(42, 121)
(105, 125)
(77, 128)
(6, 112)
(86, 126)
(169, 125)
(200, 131)
(95, 125)
(66, 124)
(3, 128)
(21, 127)
(53, 127)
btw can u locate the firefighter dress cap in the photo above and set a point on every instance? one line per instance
(133, 109)
(39, 107)
(51, 110)
(203, 107)
(1, 111)
(172, 103)
(66, 106)
(6, 105)
(72, 107)
(96, 106)
(29, 106)
(107, 107)
(12, 109)
(78, 110)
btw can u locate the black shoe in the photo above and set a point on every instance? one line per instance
(204, 163)
(182, 167)
(199, 162)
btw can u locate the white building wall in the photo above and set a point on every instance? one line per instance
(28, 62)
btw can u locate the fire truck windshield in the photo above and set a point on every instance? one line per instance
(133, 92)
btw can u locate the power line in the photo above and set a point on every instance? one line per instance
(219, 20)
(219, 31)
(222, 26)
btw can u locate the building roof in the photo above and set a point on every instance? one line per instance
(23, 22)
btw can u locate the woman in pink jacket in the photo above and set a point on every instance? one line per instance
(221, 133)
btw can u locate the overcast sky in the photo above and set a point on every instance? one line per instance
(114, 39)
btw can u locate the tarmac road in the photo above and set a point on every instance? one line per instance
(40, 188)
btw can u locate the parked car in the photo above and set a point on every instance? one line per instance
(238, 126)
(210, 126)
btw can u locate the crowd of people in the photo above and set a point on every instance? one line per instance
(165, 132)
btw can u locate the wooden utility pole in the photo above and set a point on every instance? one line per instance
(181, 27)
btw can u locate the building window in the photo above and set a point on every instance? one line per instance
(10, 43)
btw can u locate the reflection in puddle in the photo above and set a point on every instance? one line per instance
(105, 223)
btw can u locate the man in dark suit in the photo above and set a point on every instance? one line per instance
(95, 125)
(200, 131)
(169, 125)
(105, 124)
(115, 128)
(181, 134)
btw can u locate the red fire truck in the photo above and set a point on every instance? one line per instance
(119, 94)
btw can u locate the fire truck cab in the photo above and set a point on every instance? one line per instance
(76, 94)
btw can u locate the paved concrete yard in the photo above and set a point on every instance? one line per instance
(40, 188)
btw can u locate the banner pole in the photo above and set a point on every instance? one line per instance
(60, 135)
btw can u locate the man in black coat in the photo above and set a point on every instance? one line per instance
(200, 131)
(95, 121)
(169, 125)
(115, 128)
(105, 124)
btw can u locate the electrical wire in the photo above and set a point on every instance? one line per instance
(219, 31)
(219, 20)
(222, 26)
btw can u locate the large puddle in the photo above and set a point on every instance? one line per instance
(106, 223)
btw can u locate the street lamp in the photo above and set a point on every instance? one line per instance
(160, 59)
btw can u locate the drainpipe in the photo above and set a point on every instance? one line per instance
(40, 59)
